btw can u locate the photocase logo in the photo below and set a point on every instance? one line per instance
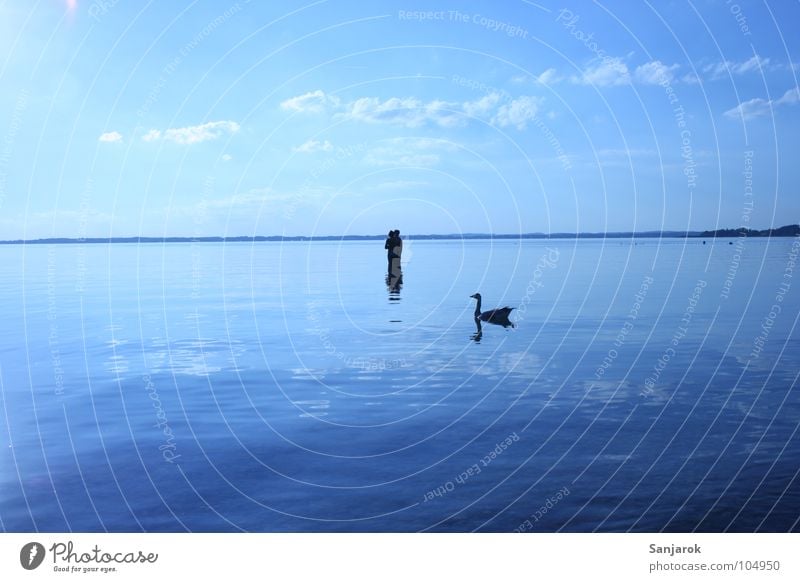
(31, 555)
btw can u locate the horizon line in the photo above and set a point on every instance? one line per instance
(786, 230)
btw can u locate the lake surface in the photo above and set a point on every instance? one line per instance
(647, 386)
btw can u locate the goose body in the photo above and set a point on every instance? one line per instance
(498, 316)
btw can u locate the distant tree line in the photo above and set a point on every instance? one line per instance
(789, 230)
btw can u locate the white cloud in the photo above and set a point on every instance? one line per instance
(549, 77)
(750, 109)
(791, 97)
(690, 79)
(412, 112)
(401, 185)
(311, 102)
(716, 70)
(422, 143)
(194, 133)
(255, 197)
(201, 133)
(758, 106)
(482, 106)
(152, 135)
(620, 157)
(625, 153)
(409, 151)
(754, 63)
(381, 157)
(609, 72)
(725, 68)
(313, 145)
(408, 111)
(227, 157)
(110, 137)
(518, 112)
(655, 73)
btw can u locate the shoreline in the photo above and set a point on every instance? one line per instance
(784, 231)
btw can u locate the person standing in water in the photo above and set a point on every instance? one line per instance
(396, 253)
(388, 246)
(398, 247)
(395, 277)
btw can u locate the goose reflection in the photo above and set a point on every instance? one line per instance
(497, 316)
(476, 337)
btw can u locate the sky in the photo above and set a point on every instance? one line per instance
(123, 118)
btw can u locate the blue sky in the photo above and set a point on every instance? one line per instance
(214, 118)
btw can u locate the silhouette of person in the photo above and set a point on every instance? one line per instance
(395, 253)
(395, 276)
(388, 246)
(398, 247)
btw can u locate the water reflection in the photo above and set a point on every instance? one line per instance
(394, 283)
(476, 337)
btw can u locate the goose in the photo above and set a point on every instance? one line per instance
(498, 316)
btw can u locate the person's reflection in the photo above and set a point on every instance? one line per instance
(393, 286)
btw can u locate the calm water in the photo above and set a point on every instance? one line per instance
(282, 387)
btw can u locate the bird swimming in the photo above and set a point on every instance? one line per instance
(497, 316)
